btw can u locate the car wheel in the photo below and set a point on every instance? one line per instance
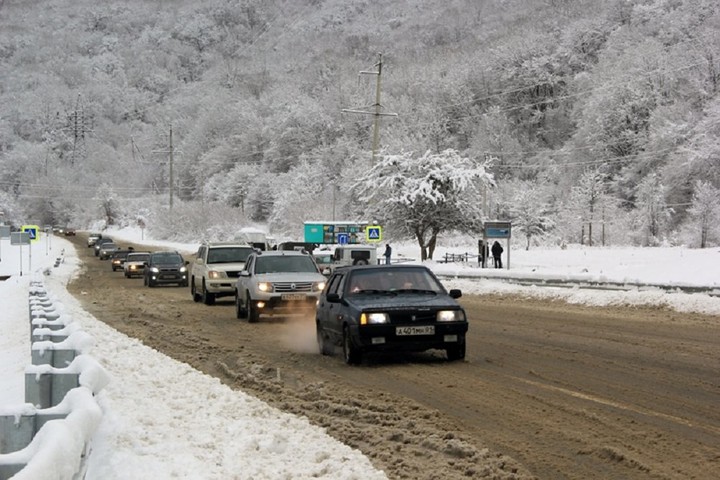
(184, 284)
(360, 261)
(352, 354)
(240, 312)
(195, 295)
(457, 351)
(207, 297)
(253, 313)
(324, 345)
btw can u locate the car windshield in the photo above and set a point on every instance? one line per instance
(167, 258)
(284, 263)
(229, 254)
(405, 280)
(138, 257)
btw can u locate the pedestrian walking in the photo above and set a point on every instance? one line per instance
(497, 251)
(387, 254)
(484, 252)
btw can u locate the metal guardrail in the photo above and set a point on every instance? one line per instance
(589, 284)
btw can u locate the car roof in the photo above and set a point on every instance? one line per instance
(282, 253)
(227, 244)
(401, 266)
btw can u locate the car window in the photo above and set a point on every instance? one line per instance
(294, 263)
(166, 258)
(138, 257)
(334, 284)
(228, 255)
(407, 279)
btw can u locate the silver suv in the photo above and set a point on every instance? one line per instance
(215, 269)
(278, 282)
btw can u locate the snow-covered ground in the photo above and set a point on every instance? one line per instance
(162, 419)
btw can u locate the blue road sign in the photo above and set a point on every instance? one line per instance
(343, 238)
(373, 234)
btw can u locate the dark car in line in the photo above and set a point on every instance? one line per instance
(99, 243)
(389, 308)
(166, 268)
(118, 257)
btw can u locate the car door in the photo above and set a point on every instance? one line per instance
(243, 280)
(328, 312)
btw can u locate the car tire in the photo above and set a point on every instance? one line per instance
(324, 345)
(184, 284)
(195, 295)
(240, 312)
(456, 352)
(360, 261)
(207, 297)
(351, 353)
(253, 314)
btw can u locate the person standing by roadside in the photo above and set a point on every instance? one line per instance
(497, 251)
(387, 254)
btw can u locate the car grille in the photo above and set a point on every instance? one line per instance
(412, 316)
(233, 273)
(293, 286)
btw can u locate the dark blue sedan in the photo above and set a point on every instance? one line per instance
(389, 308)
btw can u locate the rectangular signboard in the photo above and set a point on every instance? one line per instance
(19, 238)
(497, 229)
(4, 231)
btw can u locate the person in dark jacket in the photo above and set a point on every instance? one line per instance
(387, 254)
(497, 251)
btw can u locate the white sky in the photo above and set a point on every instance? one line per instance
(161, 419)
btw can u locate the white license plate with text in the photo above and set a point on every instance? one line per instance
(292, 297)
(411, 330)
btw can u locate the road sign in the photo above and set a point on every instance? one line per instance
(33, 231)
(373, 233)
(19, 238)
(4, 231)
(343, 238)
(497, 229)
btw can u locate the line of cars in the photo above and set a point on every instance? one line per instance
(156, 268)
(360, 308)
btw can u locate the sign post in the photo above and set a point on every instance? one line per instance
(20, 238)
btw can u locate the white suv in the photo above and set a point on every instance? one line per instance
(215, 268)
(281, 281)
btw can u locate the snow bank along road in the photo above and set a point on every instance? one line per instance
(548, 390)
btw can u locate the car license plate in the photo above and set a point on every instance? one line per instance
(292, 297)
(424, 330)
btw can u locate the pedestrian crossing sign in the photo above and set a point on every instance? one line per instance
(373, 233)
(33, 231)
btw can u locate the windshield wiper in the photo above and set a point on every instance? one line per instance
(416, 290)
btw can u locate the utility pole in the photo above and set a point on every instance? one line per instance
(378, 106)
(171, 170)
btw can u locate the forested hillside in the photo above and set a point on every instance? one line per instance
(598, 120)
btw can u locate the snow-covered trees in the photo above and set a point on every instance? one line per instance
(529, 211)
(421, 196)
(705, 210)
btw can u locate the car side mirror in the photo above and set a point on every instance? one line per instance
(187, 262)
(145, 264)
(333, 297)
(455, 293)
(244, 273)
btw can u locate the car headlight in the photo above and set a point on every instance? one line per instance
(183, 269)
(374, 318)
(155, 270)
(215, 275)
(450, 316)
(265, 287)
(318, 286)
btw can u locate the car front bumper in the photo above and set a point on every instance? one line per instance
(386, 337)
